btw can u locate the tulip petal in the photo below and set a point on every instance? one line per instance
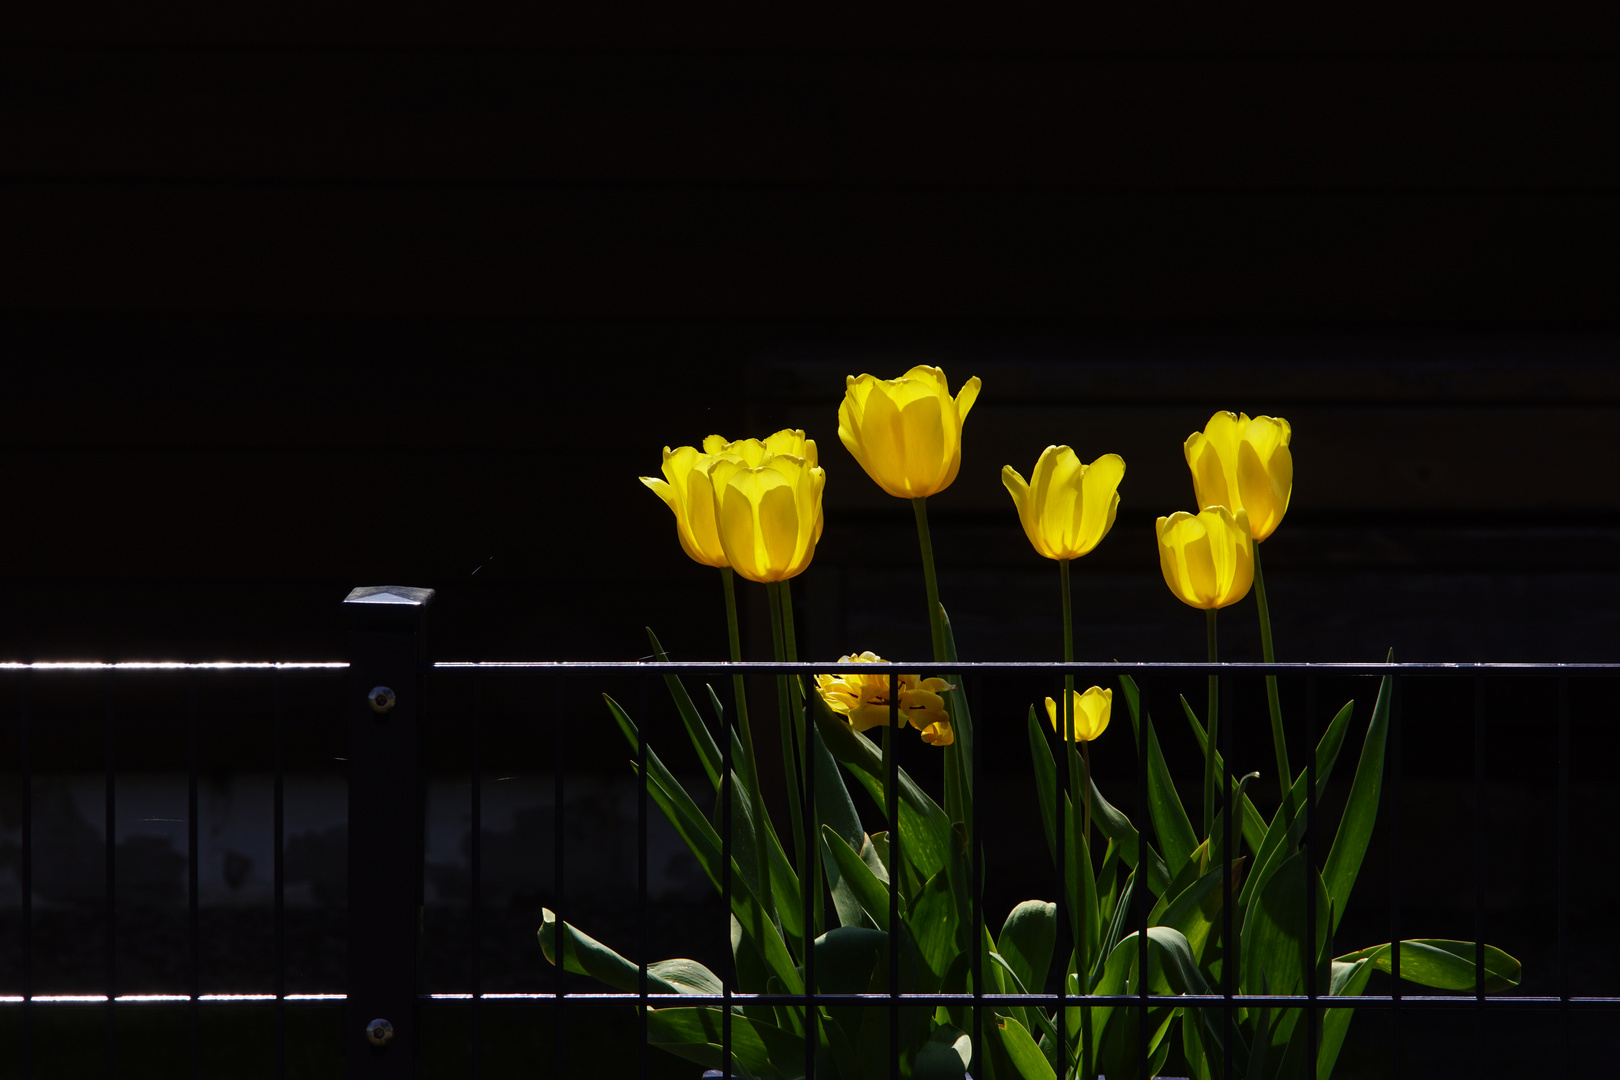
(883, 442)
(965, 398)
(1098, 501)
(927, 455)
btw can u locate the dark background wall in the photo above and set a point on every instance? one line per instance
(298, 298)
(317, 296)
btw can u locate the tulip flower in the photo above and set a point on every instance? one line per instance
(1066, 507)
(769, 518)
(906, 432)
(863, 700)
(1243, 463)
(1090, 717)
(686, 490)
(753, 452)
(1207, 557)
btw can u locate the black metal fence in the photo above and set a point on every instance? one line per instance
(387, 1000)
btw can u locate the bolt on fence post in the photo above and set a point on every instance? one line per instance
(385, 689)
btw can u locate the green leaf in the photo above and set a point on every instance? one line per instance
(704, 843)
(1170, 821)
(1194, 910)
(863, 886)
(696, 1034)
(846, 958)
(1349, 979)
(687, 976)
(1286, 829)
(1024, 1059)
(1361, 809)
(1278, 956)
(1254, 826)
(1118, 828)
(708, 750)
(932, 922)
(1045, 782)
(836, 810)
(584, 955)
(945, 1056)
(925, 832)
(1027, 940)
(1442, 964)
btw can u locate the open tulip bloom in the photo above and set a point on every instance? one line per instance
(1224, 899)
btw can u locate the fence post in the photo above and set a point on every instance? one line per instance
(387, 655)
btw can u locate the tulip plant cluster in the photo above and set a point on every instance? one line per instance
(753, 508)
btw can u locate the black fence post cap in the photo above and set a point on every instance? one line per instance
(390, 594)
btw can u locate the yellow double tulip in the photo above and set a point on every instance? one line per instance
(1243, 463)
(773, 487)
(1066, 507)
(906, 432)
(1092, 710)
(1208, 557)
(770, 516)
(864, 700)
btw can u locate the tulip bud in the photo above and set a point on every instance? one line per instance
(1207, 558)
(1092, 710)
(1243, 463)
(769, 517)
(906, 432)
(1066, 508)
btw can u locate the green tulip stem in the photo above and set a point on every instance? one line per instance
(784, 711)
(1212, 713)
(936, 626)
(756, 796)
(802, 724)
(1070, 720)
(1284, 774)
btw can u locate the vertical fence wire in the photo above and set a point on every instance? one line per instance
(641, 864)
(110, 851)
(1396, 1033)
(1563, 873)
(1228, 954)
(891, 785)
(1139, 885)
(1311, 1016)
(976, 870)
(1479, 873)
(726, 796)
(278, 753)
(193, 937)
(26, 869)
(558, 970)
(1065, 913)
(475, 868)
(807, 883)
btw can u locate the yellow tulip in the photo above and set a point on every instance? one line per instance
(1207, 558)
(1066, 507)
(1090, 717)
(906, 432)
(864, 700)
(753, 452)
(687, 491)
(769, 517)
(1243, 463)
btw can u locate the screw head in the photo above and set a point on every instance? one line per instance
(381, 699)
(378, 1032)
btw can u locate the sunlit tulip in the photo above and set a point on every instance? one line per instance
(1243, 463)
(752, 452)
(864, 700)
(769, 517)
(1066, 507)
(906, 432)
(1207, 558)
(1090, 717)
(687, 491)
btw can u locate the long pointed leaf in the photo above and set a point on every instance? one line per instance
(1170, 822)
(708, 750)
(871, 894)
(1360, 810)
(1254, 826)
(1443, 964)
